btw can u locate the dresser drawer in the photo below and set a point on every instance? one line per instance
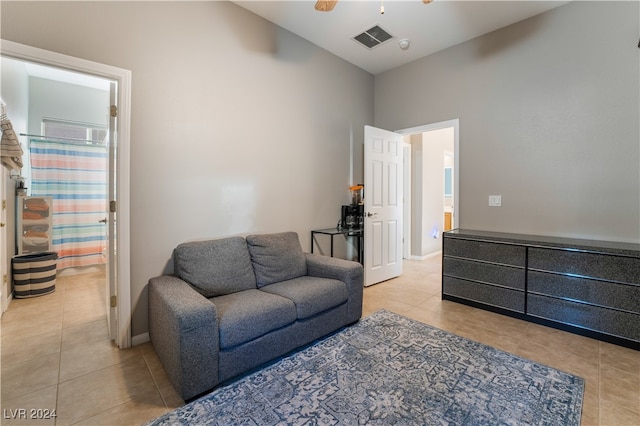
(588, 265)
(608, 321)
(603, 293)
(505, 254)
(500, 297)
(506, 276)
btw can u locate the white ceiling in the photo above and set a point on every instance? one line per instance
(429, 27)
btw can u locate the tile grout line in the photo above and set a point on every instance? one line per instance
(64, 296)
(599, 383)
(153, 377)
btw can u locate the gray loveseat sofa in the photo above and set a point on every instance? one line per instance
(236, 303)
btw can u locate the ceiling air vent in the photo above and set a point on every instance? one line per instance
(373, 37)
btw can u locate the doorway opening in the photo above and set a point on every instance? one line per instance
(434, 185)
(91, 87)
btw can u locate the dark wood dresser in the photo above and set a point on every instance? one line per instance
(583, 286)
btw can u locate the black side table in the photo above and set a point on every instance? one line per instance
(357, 233)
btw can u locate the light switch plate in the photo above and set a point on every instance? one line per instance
(495, 200)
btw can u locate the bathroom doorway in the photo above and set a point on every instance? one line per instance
(16, 94)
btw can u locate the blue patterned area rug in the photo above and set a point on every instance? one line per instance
(388, 369)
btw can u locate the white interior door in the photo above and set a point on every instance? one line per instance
(112, 312)
(383, 189)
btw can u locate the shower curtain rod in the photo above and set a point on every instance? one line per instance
(72, 140)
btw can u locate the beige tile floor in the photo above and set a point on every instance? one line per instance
(56, 353)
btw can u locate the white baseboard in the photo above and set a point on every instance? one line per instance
(434, 254)
(139, 339)
(428, 256)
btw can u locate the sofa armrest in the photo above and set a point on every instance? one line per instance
(349, 272)
(183, 328)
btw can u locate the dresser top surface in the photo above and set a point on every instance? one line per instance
(609, 247)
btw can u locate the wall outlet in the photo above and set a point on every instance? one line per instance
(495, 200)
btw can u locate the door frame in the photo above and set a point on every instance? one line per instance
(455, 123)
(26, 53)
(406, 201)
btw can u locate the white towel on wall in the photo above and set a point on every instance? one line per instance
(10, 149)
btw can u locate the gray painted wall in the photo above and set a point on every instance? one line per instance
(549, 119)
(237, 125)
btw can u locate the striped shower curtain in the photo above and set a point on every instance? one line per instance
(75, 175)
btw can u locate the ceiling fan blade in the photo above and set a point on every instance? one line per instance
(325, 5)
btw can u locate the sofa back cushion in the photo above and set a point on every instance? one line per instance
(215, 267)
(276, 257)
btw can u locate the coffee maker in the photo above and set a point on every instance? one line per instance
(352, 215)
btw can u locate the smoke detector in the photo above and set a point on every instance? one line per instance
(404, 43)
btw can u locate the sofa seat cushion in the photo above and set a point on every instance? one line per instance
(311, 295)
(276, 257)
(248, 314)
(215, 267)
